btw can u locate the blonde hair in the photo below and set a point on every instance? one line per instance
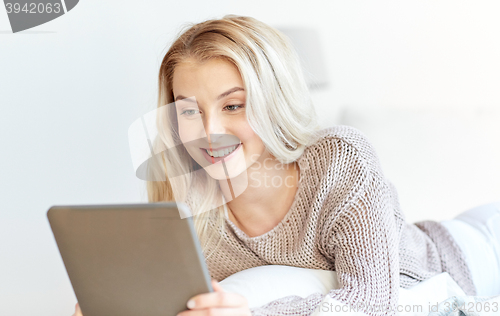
(278, 107)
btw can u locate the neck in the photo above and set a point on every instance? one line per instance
(266, 200)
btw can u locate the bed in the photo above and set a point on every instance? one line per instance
(438, 296)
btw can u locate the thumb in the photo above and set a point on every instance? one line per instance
(217, 287)
(78, 311)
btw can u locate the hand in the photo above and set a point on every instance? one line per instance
(78, 311)
(217, 303)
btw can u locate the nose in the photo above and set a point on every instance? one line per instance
(214, 127)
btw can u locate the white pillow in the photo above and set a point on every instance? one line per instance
(261, 285)
(264, 284)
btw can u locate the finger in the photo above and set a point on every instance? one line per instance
(217, 299)
(217, 287)
(78, 311)
(217, 311)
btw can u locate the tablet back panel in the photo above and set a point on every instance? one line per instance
(140, 259)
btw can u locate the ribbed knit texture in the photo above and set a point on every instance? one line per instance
(345, 217)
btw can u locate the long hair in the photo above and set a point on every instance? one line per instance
(278, 108)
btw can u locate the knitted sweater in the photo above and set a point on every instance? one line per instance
(346, 218)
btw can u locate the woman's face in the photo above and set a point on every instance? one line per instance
(210, 104)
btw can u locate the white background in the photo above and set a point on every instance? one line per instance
(69, 89)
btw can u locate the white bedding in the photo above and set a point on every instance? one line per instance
(264, 284)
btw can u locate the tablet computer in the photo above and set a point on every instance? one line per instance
(133, 259)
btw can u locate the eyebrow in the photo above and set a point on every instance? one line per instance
(222, 95)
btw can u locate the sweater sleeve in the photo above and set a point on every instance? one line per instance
(365, 246)
(362, 240)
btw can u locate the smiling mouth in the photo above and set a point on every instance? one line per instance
(221, 152)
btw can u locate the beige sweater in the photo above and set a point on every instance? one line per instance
(346, 218)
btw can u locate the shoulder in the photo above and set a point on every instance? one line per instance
(338, 131)
(340, 167)
(352, 181)
(338, 162)
(343, 143)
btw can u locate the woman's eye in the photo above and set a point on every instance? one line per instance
(189, 112)
(233, 107)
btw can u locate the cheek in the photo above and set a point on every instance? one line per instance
(250, 138)
(246, 134)
(186, 133)
(182, 133)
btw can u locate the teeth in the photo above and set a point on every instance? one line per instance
(222, 152)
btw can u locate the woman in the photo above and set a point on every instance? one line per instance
(267, 185)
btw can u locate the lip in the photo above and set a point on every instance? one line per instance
(215, 160)
(218, 148)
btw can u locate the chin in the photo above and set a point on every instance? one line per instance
(217, 171)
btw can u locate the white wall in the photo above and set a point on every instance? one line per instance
(70, 88)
